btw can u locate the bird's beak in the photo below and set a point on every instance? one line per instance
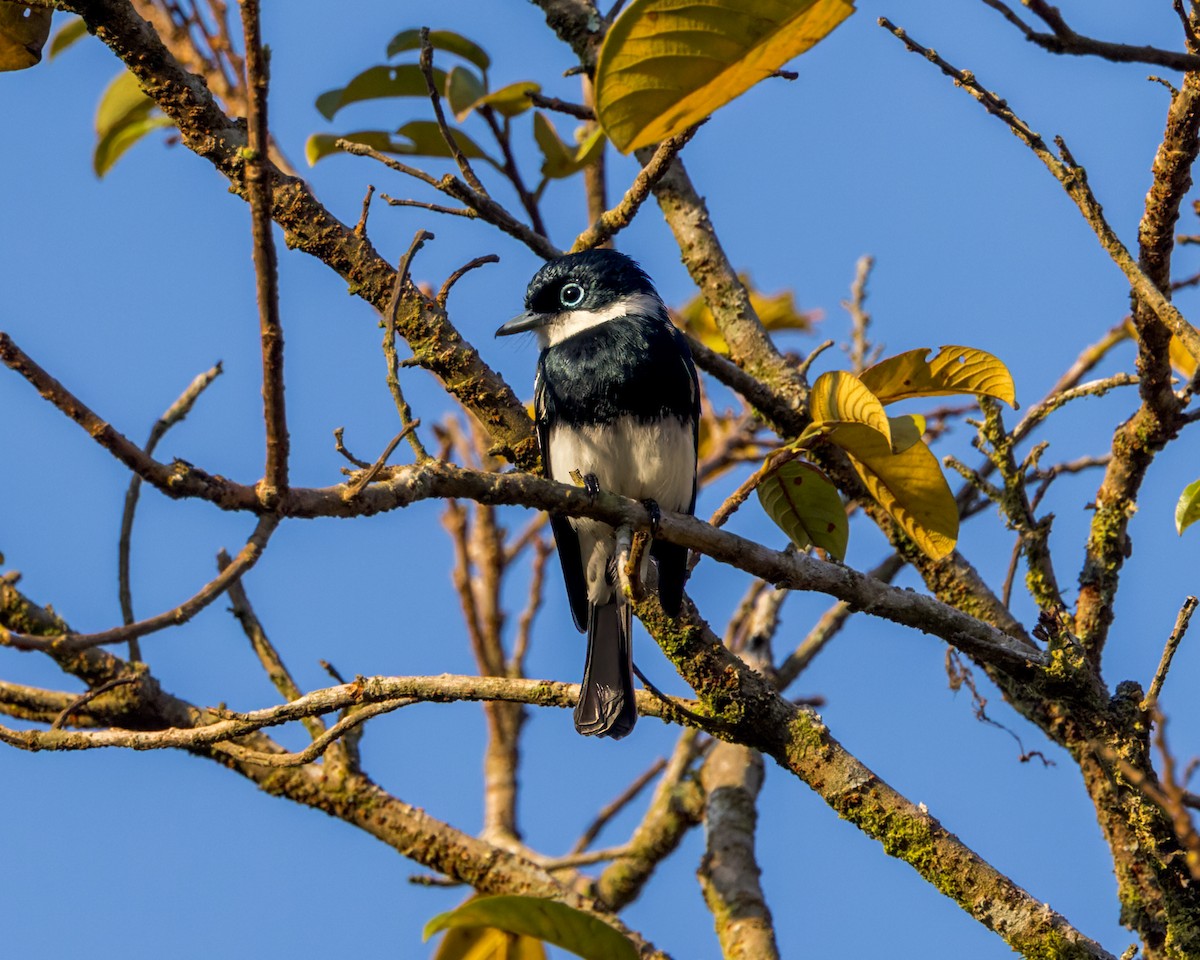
(525, 321)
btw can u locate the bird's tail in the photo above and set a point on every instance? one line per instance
(606, 705)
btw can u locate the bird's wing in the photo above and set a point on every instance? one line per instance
(671, 558)
(565, 537)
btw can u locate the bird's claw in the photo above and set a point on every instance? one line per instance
(591, 486)
(655, 512)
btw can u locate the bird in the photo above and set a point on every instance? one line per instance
(617, 405)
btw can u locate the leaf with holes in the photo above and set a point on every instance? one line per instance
(573, 930)
(23, 33)
(908, 485)
(805, 505)
(953, 370)
(840, 397)
(403, 80)
(441, 40)
(1187, 510)
(666, 64)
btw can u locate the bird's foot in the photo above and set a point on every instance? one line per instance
(591, 486)
(655, 512)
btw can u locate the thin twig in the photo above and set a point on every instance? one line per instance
(444, 292)
(619, 217)
(279, 675)
(389, 350)
(360, 228)
(1073, 178)
(340, 447)
(860, 319)
(610, 810)
(1065, 40)
(173, 415)
(273, 489)
(245, 559)
(373, 469)
(484, 207)
(89, 697)
(1150, 702)
(435, 97)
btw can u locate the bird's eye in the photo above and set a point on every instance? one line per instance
(571, 295)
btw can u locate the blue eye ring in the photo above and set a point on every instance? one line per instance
(571, 295)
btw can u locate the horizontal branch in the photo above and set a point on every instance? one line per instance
(408, 485)
(360, 695)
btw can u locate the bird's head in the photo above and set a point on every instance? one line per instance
(572, 293)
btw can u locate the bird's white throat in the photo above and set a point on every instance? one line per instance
(568, 323)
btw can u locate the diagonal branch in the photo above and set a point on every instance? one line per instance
(1065, 40)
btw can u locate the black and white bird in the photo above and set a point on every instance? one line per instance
(617, 404)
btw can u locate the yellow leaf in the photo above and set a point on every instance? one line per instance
(487, 943)
(777, 311)
(838, 397)
(806, 506)
(23, 33)
(906, 431)
(1181, 359)
(1187, 510)
(665, 64)
(575, 931)
(908, 485)
(953, 370)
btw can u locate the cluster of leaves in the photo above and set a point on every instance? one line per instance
(888, 453)
(776, 311)
(466, 90)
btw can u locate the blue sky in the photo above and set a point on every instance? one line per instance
(127, 288)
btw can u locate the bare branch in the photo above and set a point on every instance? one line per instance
(259, 192)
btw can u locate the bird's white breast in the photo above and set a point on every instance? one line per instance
(635, 459)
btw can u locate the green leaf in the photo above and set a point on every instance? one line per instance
(805, 505)
(665, 64)
(403, 80)
(426, 140)
(121, 101)
(487, 943)
(120, 138)
(511, 100)
(321, 145)
(23, 33)
(838, 397)
(576, 932)
(421, 138)
(1187, 510)
(953, 370)
(908, 485)
(123, 116)
(441, 40)
(66, 35)
(464, 89)
(560, 160)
